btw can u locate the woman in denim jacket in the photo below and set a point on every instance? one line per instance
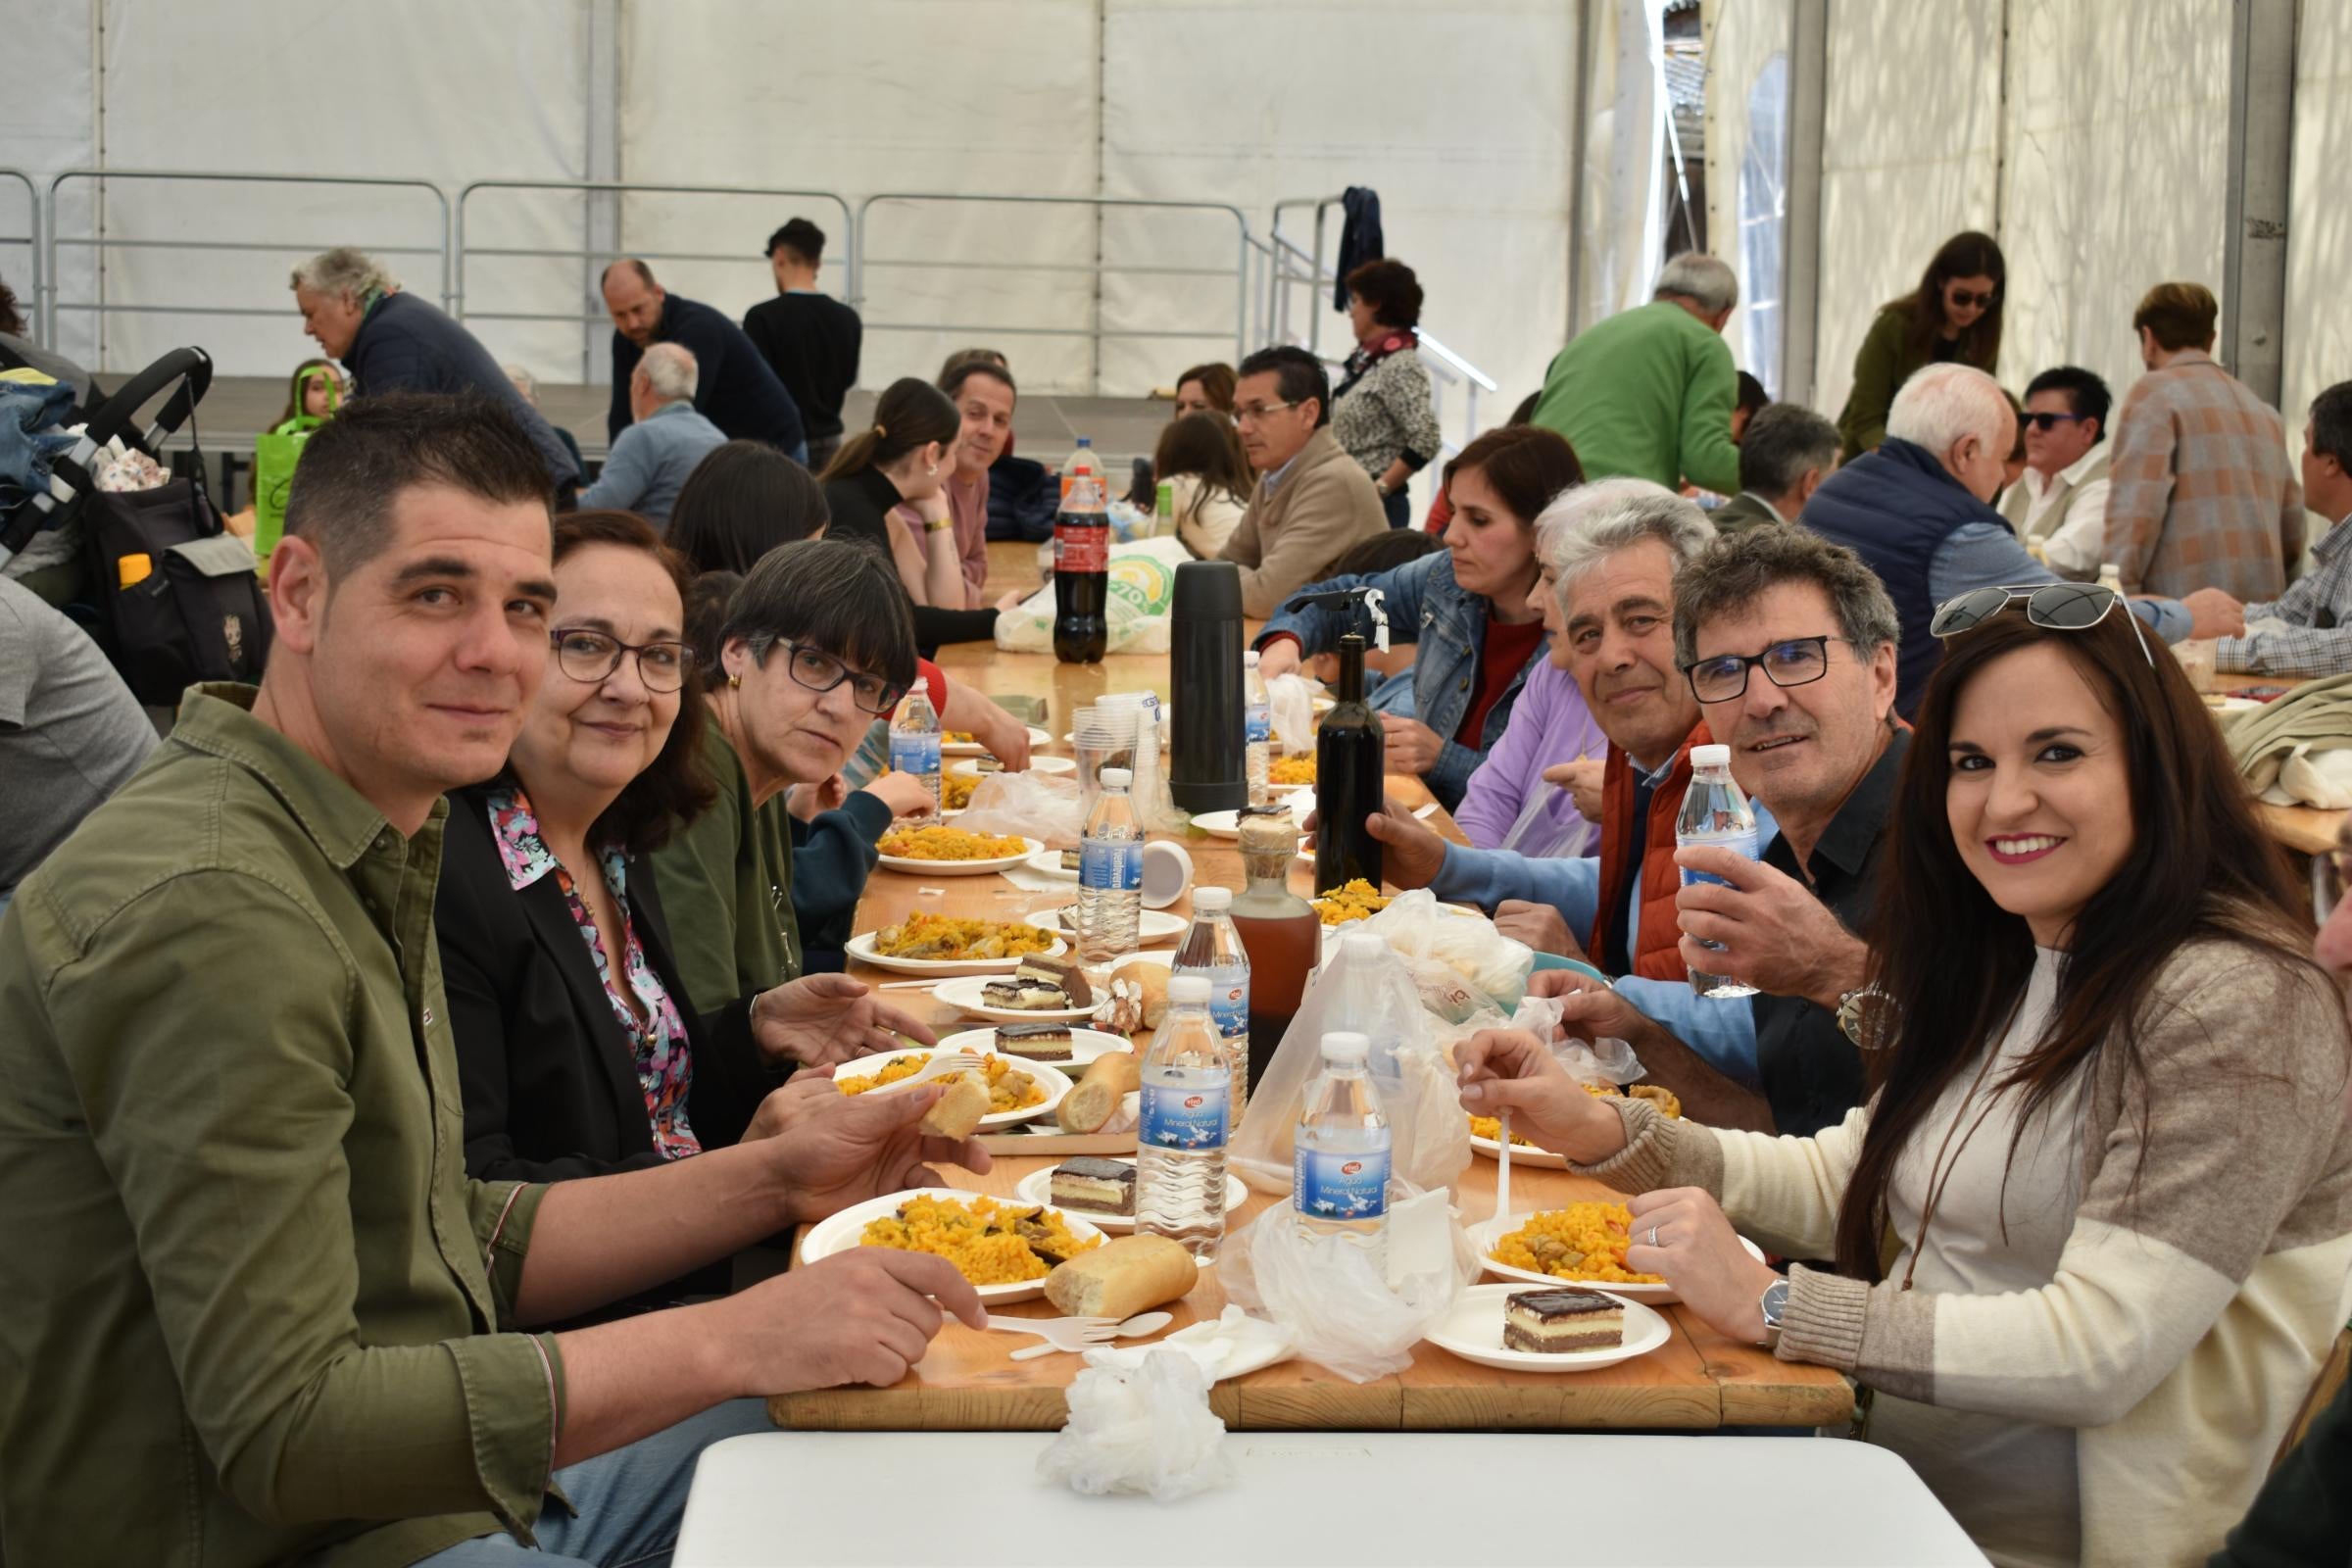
(1468, 607)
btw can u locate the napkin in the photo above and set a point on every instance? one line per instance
(1145, 1427)
(1028, 881)
(1222, 1347)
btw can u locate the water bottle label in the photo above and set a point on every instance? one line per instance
(1229, 1006)
(1743, 844)
(1081, 547)
(1191, 1115)
(915, 753)
(1257, 724)
(1337, 1186)
(1118, 864)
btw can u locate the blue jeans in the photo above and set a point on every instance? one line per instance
(631, 1501)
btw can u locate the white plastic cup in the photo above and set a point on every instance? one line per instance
(1167, 872)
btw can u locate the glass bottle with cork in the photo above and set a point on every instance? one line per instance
(1280, 931)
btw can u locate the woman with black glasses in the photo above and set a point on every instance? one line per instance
(1955, 314)
(581, 1048)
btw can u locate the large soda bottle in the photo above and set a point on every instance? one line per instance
(1186, 1120)
(1212, 950)
(915, 742)
(1717, 815)
(1350, 744)
(1110, 873)
(1340, 1152)
(1258, 728)
(1082, 560)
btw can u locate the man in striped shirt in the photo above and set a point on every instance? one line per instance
(2308, 630)
(2202, 496)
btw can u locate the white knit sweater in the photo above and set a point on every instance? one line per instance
(2190, 1309)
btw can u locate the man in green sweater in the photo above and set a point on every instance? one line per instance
(1649, 392)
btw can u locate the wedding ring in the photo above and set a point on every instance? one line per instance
(1653, 1236)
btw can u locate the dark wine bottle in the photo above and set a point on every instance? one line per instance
(1348, 779)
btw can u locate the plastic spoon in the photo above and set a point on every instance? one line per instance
(1141, 1324)
(1502, 1166)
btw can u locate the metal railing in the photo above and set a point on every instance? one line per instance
(595, 322)
(30, 239)
(1094, 331)
(55, 239)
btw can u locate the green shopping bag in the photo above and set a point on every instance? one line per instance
(273, 458)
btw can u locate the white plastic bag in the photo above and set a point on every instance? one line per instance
(1143, 585)
(1414, 924)
(1429, 1140)
(1345, 1313)
(1589, 1062)
(1039, 806)
(1145, 1428)
(1290, 707)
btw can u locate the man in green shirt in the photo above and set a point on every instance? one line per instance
(256, 1312)
(1649, 392)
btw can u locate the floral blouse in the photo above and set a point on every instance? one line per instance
(657, 1042)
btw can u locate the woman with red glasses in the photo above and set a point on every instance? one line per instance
(1955, 314)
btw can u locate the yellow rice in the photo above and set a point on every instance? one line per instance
(1600, 1231)
(977, 1237)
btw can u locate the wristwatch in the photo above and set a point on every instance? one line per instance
(1774, 1304)
(1867, 1017)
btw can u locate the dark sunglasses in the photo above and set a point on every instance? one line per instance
(2051, 606)
(2047, 422)
(1966, 299)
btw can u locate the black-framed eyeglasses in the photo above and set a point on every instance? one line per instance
(820, 671)
(591, 657)
(2045, 420)
(2051, 606)
(1792, 661)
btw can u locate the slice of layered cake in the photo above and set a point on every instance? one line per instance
(1556, 1322)
(1034, 1042)
(1040, 985)
(1092, 1185)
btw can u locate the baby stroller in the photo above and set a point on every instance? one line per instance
(169, 593)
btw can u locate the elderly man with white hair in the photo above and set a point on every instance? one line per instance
(1649, 392)
(664, 439)
(1919, 512)
(392, 341)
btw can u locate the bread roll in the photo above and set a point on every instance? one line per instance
(1122, 1277)
(1109, 1078)
(958, 1111)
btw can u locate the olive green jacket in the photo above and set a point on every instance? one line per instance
(1886, 360)
(726, 886)
(254, 1307)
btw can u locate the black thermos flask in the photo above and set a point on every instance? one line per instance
(1208, 768)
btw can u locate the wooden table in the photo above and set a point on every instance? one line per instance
(1697, 1381)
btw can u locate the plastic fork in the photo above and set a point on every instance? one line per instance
(1503, 1164)
(939, 1068)
(1100, 1330)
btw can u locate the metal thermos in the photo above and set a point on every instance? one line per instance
(1207, 765)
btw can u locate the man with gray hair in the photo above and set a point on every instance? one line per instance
(665, 438)
(1649, 392)
(1918, 510)
(1788, 450)
(1612, 627)
(391, 341)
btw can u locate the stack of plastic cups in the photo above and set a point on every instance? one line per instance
(1139, 715)
(1099, 739)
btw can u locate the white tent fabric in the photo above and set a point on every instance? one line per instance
(1624, 152)
(1747, 106)
(2319, 313)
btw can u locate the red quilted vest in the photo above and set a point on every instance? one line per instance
(1658, 955)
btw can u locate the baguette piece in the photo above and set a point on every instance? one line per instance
(959, 1110)
(1124, 1276)
(1109, 1078)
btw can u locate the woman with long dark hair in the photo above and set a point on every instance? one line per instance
(2093, 1227)
(741, 501)
(1955, 314)
(1201, 458)
(903, 458)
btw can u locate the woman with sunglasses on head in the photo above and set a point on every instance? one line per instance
(579, 1046)
(1955, 314)
(2093, 1225)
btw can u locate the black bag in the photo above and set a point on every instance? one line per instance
(192, 608)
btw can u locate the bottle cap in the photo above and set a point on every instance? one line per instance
(1211, 901)
(1341, 1046)
(1085, 441)
(1710, 756)
(1250, 659)
(1189, 991)
(1117, 778)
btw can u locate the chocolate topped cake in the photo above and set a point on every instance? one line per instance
(1092, 1185)
(1034, 1042)
(1556, 1322)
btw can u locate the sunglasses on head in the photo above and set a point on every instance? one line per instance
(1968, 299)
(2051, 606)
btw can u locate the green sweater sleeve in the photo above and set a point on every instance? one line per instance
(1710, 458)
(697, 872)
(1879, 371)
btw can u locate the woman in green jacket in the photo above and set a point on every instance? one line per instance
(1955, 314)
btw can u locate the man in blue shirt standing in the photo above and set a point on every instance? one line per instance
(734, 390)
(649, 462)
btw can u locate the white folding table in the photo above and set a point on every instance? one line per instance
(1299, 1500)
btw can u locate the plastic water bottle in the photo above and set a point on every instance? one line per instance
(1186, 1121)
(1110, 873)
(1212, 950)
(1340, 1158)
(915, 742)
(1257, 727)
(1717, 815)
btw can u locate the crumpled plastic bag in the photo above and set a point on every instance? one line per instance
(1039, 806)
(1467, 943)
(1357, 1319)
(1589, 1062)
(1146, 1429)
(1429, 1140)
(1290, 707)
(1142, 587)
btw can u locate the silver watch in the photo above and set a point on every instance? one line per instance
(1775, 1306)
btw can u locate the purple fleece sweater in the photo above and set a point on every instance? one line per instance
(1551, 724)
